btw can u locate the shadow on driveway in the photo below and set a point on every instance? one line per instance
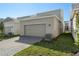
(29, 39)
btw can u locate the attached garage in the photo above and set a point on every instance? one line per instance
(35, 30)
(42, 24)
(40, 27)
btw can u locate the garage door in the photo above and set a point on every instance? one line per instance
(35, 30)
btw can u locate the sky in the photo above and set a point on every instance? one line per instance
(25, 9)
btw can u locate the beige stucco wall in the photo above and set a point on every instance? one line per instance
(17, 27)
(74, 27)
(8, 24)
(58, 13)
(53, 29)
(15, 24)
(75, 9)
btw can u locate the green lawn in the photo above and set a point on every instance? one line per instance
(63, 45)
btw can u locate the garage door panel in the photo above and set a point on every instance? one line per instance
(35, 30)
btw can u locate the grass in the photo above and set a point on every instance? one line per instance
(63, 45)
(77, 39)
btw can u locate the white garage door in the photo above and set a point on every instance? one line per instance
(35, 30)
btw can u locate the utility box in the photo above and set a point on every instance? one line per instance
(48, 37)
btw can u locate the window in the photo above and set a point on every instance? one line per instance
(9, 29)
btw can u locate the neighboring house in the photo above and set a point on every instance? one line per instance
(50, 22)
(11, 26)
(75, 10)
(67, 26)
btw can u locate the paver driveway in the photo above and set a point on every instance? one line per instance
(11, 46)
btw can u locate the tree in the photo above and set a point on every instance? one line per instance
(8, 19)
(77, 20)
(1, 27)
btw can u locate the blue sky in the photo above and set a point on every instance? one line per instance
(21, 9)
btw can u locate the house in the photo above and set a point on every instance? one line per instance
(74, 29)
(67, 26)
(50, 22)
(11, 25)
